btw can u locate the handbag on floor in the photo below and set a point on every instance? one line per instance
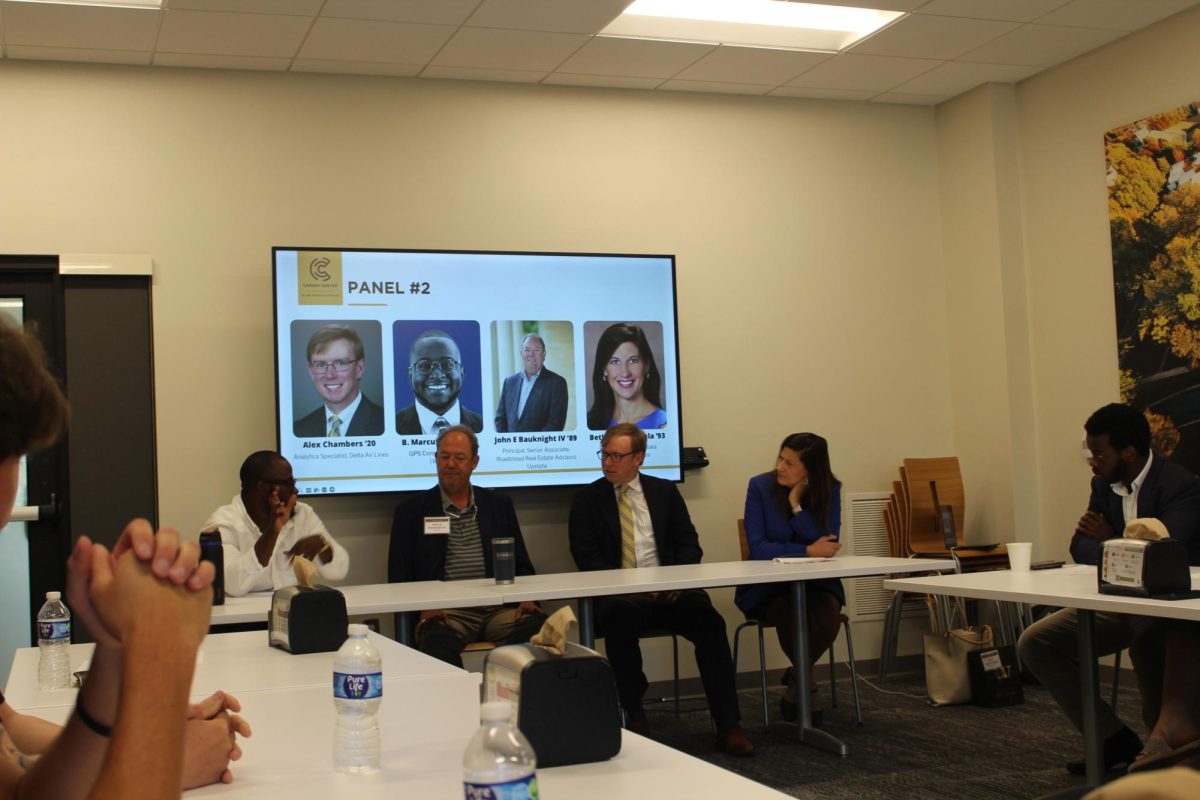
(947, 679)
(995, 679)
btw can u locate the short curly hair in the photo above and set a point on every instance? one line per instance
(33, 409)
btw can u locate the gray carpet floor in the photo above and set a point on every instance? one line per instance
(906, 748)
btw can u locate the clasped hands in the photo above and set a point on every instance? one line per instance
(1094, 526)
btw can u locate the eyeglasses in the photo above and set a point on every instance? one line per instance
(282, 482)
(341, 365)
(425, 366)
(613, 457)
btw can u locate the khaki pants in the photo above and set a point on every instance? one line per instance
(1050, 649)
(444, 639)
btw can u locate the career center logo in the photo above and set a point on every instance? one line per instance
(319, 269)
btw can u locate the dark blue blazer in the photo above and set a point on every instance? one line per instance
(594, 529)
(1170, 493)
(771, 533)
(413, 556)
(545, 410)
(368, 421)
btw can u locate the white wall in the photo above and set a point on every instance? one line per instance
(811, 290)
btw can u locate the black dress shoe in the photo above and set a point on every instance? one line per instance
(1120, 750)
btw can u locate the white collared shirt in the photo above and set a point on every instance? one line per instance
(345, 415)
(1129, 497)
(526, 389)
(428, 417)
(645, 548)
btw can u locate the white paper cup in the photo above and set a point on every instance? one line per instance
(1018, 556)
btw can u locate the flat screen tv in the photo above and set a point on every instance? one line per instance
(377, 350)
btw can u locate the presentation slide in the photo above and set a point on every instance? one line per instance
(538, 353)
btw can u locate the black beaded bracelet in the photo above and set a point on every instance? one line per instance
(90, 721)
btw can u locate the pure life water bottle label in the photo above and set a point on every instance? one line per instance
(521, 789)
(350, 686)
(55, 630)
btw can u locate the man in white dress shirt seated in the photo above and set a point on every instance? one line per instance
(265, 527)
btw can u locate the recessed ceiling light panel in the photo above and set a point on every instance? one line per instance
(751, 23)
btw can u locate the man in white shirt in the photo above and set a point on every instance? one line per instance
(628, 520)
(1129, 481)
(265, 527)
(435, 372)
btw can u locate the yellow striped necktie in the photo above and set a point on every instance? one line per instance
(335, 425)
(625, 512)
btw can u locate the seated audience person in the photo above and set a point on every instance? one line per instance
(627, 520)
(265, 527)
(796, 511)
(626, 383)
(445, 534)
(1175, 738)
(1129, 481)
(209, 739)
(147, 604)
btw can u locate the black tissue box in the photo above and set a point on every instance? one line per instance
(304, 620)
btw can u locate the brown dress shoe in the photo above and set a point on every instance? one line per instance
(733, 740)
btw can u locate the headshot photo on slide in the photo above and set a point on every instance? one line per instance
(437, 375)
(625, 383)
(337, 378)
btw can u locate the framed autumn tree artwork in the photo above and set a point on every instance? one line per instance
(1153, 177)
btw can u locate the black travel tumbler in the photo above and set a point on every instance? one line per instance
(212, 550)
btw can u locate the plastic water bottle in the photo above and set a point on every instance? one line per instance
(499, 764)
(54, 639)
(357, 692)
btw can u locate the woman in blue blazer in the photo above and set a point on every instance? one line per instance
(796, 510)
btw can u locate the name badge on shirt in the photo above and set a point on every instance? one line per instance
(437, 526)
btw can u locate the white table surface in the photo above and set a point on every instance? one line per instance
(374, 598)
(1072, 586)
(290, 758)
(567, 585)
(237, 663)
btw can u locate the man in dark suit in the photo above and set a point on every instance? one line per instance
(629, 520)
(446, 533)
(435, 372)
(1129, 482)
(534, 399)
(336, 364)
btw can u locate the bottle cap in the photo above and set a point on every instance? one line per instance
(495, 711)
(53, 595)
(356, 629)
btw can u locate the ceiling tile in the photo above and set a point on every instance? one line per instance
(477, 74)
(489, 48)
(566, 16)
(373, 40)
(908, 99)
(729, 64)
(606, 55)
(924, 36)
(304, 8)
(216, 33)
(72, 54)
(715, 88)
(820, 94)
(864, 73)
(1040, 45)
(203, 61)
(433, 12)
(355, 67)
(79, 27)
(606, 81)
(956, 77)
(885, 5)
(1117, 15)
(1011, 10)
